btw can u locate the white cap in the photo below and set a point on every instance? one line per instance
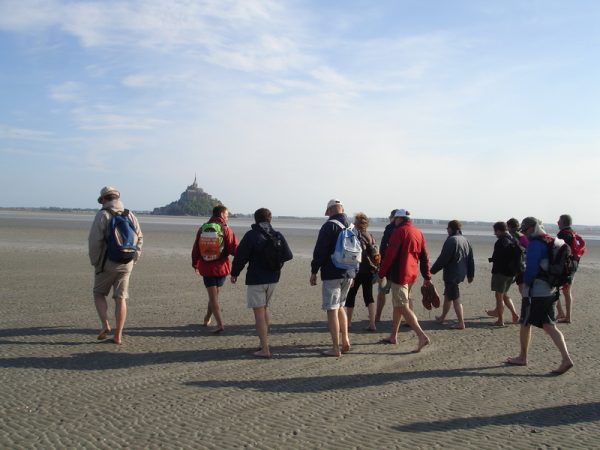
(402, 213)
(334, 202)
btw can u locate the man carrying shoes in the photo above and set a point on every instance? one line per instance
(405, 253)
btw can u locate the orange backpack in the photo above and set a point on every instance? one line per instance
(211, 242)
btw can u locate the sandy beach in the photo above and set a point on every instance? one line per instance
(173, 384)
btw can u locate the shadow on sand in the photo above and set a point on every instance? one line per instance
(190, 330)
(118, 359)
(353, 381)
(543, 417)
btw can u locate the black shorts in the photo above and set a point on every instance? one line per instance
(214, 281)
(451, 290)
(537, 311)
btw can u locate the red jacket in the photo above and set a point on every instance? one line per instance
(220, 267)
(406, 249)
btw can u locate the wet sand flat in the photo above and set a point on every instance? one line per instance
(173, 384)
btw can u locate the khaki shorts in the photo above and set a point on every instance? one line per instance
(335, 293)
(259, 295)
(501, 283)
(117, 280)
(401, 294)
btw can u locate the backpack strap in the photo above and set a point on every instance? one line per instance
(338, 223)
(111, 214)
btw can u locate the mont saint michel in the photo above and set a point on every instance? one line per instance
(192, 202)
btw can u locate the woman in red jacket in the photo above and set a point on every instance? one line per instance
(215, 241)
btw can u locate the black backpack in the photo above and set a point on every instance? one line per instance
(273, 250)
(516, 264)
(561, 263)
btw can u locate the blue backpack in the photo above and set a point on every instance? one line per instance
(348, 251)
(121, 238)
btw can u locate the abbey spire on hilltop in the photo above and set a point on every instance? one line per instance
(192, 202)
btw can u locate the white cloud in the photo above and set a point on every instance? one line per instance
(94, 121)
(28, 15)
(67, 92)
(11, 133)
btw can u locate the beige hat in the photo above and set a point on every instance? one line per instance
(108, 190)
(333, 202)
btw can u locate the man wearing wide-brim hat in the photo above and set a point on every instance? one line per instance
(113, 272)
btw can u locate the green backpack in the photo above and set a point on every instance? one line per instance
(211, 242)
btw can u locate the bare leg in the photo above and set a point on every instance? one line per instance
(349, 312)
(499, 308)
(396, 319)
(380, 305)
(511, 307)
(343, 324)
(214, 307)
(568, 301)
(412, 321)
(445, 310)
(261, 321)
(267, 318)
(371, 310)
(458, 309)
(120, 316)
(334, 330)
(559, 340)
(102, 309)
(524, 341)
(207, 317)
(560, 312)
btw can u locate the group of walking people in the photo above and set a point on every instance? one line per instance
(393, 267)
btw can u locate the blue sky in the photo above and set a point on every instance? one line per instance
(476, 110)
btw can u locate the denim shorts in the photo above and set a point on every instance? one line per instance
(214, 281)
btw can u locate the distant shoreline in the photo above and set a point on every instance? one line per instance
(550, 227)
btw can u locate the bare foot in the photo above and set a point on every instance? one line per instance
(117, 340)
(498, 323)
(218, 330)
(564, 367)
(492, 312)
(262, 354)
(331, 353)
(422, 343)
(346, 347)
(516, 361)
(564, 320)
(387, 341)
(104, 334)
(440, 319)
(371, 329)
(207, 320)
(458, 326)
(515, 318)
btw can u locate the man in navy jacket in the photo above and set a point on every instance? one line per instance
(263, 273)
(336, 282)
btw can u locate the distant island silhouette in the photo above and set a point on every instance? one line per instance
(192, 202)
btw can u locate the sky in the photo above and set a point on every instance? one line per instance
(469, 110)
